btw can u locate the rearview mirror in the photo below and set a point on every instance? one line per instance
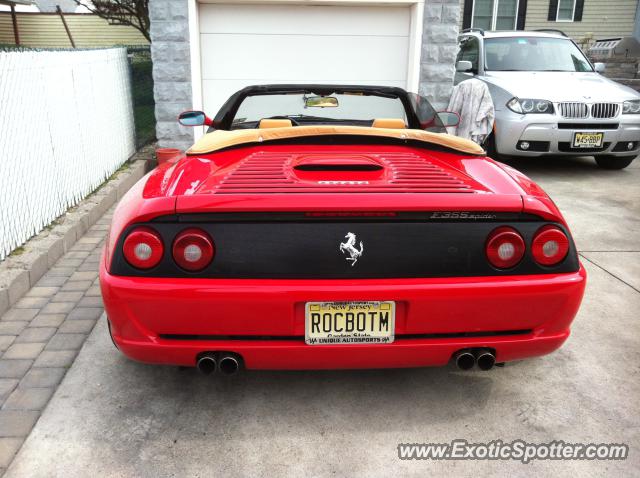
(463, 66)
(449, 118)
(194, 118)
(320, 102)
(599, 67)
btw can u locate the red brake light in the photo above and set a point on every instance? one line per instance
(143, 248)
(550, 246)
(193, 249)
(505, 248)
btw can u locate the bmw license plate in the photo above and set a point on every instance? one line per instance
(349, 322)
(587, 140)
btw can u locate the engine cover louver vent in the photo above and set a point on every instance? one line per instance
(271, 172)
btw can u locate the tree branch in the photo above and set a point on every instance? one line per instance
(134, 13)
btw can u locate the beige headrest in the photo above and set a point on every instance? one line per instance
(275, 123)
(391, 123)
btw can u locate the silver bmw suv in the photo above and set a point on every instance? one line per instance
(549, 98)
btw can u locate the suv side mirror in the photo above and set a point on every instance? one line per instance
(464, 66)
(449, 118)
(599, 67)
(194, 118)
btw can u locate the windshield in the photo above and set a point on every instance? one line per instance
(533, 54)
(333, 105)
(353, 109)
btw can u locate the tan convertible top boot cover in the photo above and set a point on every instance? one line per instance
(221, 139)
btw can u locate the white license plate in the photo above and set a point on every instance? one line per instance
(587, 140)
(350, 322)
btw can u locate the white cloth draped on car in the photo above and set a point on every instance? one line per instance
(472, 101)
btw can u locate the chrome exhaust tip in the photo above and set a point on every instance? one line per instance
(207, 364)
(228, 365)
(465, 360)
(485, 360)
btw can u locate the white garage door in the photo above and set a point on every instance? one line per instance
(244, 45)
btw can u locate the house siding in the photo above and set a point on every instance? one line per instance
(47, 31)
(600, 18)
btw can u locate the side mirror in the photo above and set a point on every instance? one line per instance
(449, 118)
(194, 118)
(599, 67)
(464, 66)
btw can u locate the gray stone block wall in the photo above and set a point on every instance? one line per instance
(171, 70)
(439, 48)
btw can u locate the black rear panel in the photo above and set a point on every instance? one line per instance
(307, 249)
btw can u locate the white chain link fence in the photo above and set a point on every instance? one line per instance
(66, 125)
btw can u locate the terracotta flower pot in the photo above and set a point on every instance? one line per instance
(164, 155)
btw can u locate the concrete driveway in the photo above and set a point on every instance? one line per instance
(114, 417)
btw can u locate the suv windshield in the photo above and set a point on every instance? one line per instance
(533, 54)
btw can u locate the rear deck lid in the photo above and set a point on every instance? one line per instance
(395, 178)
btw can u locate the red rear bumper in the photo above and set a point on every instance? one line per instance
(431, 316)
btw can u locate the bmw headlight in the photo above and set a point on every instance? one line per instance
(525, 106)
(631, 107)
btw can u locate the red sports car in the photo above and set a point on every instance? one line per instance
(324, 227)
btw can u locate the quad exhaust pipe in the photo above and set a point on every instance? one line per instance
(467, 358)
(226, 363)
(229, 364)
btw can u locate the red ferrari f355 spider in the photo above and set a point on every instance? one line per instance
(324, 226)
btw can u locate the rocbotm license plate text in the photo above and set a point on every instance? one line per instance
(370, 322)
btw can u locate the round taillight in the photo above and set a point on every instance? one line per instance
(550, 246)
(143, 248)
(505, 248)
(193, 249)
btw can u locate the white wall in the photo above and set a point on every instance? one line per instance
(66, 124)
